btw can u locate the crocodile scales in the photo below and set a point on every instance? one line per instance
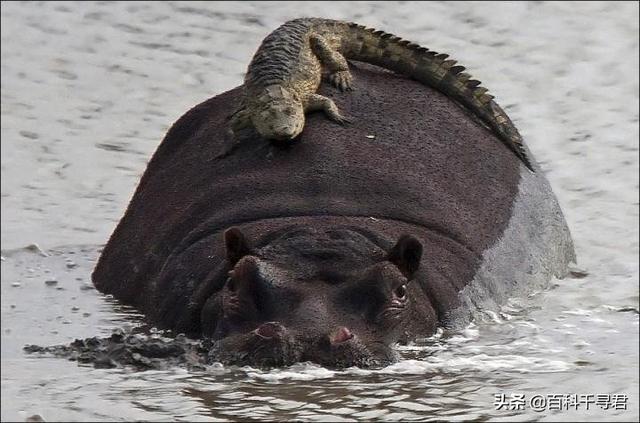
(284, 75)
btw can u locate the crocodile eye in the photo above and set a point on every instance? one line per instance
(401, 292)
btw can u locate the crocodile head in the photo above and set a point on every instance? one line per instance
(279, 115)
(331, 297)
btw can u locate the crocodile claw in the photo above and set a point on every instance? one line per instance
(342, 120)
(341, 80)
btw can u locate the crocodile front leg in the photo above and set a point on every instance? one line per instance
(315, 102)
(239, 122)
(339, 75)
(240, 119)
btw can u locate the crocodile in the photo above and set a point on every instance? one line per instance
(285, 73)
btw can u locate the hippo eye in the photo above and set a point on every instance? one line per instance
(231, 284)
(401, 292)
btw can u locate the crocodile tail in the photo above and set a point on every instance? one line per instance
(436, 70)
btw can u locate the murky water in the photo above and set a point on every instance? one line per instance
(88, 91)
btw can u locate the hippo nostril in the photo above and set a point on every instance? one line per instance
(269, 330)
(341, 335)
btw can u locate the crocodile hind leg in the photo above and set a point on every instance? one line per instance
(335, 63)
(315, 102)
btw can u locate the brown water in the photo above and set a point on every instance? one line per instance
(88, 91)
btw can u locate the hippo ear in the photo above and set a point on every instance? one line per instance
(406, 254)
(236, 245)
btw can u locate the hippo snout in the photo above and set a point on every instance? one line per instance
(342, 335)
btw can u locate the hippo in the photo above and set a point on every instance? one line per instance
(338, 246)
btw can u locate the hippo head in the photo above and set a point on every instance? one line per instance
(333, 297)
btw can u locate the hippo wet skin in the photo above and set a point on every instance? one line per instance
(341, 244)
